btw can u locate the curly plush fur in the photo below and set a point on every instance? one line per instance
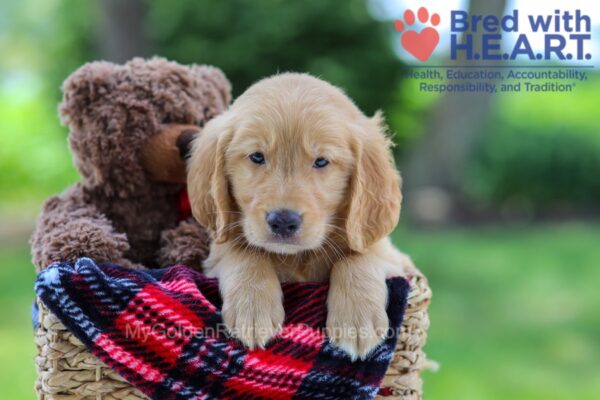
(118, 212)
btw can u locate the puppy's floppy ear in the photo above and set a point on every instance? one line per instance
(375, 197)
(208, 186)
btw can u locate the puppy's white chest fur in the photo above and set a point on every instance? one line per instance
(288, 268)
(294, 271)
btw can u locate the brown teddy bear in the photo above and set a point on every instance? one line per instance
(130, 126)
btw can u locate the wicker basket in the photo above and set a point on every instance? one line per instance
(67, 371)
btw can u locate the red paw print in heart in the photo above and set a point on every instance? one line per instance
(419, 44)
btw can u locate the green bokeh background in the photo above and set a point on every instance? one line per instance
(515, 309)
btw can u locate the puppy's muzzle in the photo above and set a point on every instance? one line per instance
(284, 223)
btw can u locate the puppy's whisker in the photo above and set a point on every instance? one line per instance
(338, 254)
(229, 227)
(339, 232)
(328, 244)
(335, 227)
(336, 230)
(224, 212)
(241, 240)
(327, 256)
(317, 252)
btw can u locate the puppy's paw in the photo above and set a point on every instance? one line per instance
(355, 326)
(253, 317)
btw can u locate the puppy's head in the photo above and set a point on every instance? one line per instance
(292, 166)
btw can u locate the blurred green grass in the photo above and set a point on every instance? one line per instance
(33, 152)
(514, 313)
(17, 350)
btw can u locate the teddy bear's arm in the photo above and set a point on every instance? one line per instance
(68, 228)
(188, 243)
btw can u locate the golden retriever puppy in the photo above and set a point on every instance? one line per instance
(297, 184)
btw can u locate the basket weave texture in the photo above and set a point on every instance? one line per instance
(67, 371)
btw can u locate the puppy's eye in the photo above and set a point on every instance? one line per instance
(257, 158)
(321, 162)
(167, 119)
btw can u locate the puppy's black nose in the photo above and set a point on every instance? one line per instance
(284, 222)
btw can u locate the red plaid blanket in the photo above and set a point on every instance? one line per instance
(162, 331)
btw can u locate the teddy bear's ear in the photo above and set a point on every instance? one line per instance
(218, 82)
(82, 88)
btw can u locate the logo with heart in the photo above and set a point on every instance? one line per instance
(419, 44)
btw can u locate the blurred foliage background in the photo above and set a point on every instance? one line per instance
(503, 222)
